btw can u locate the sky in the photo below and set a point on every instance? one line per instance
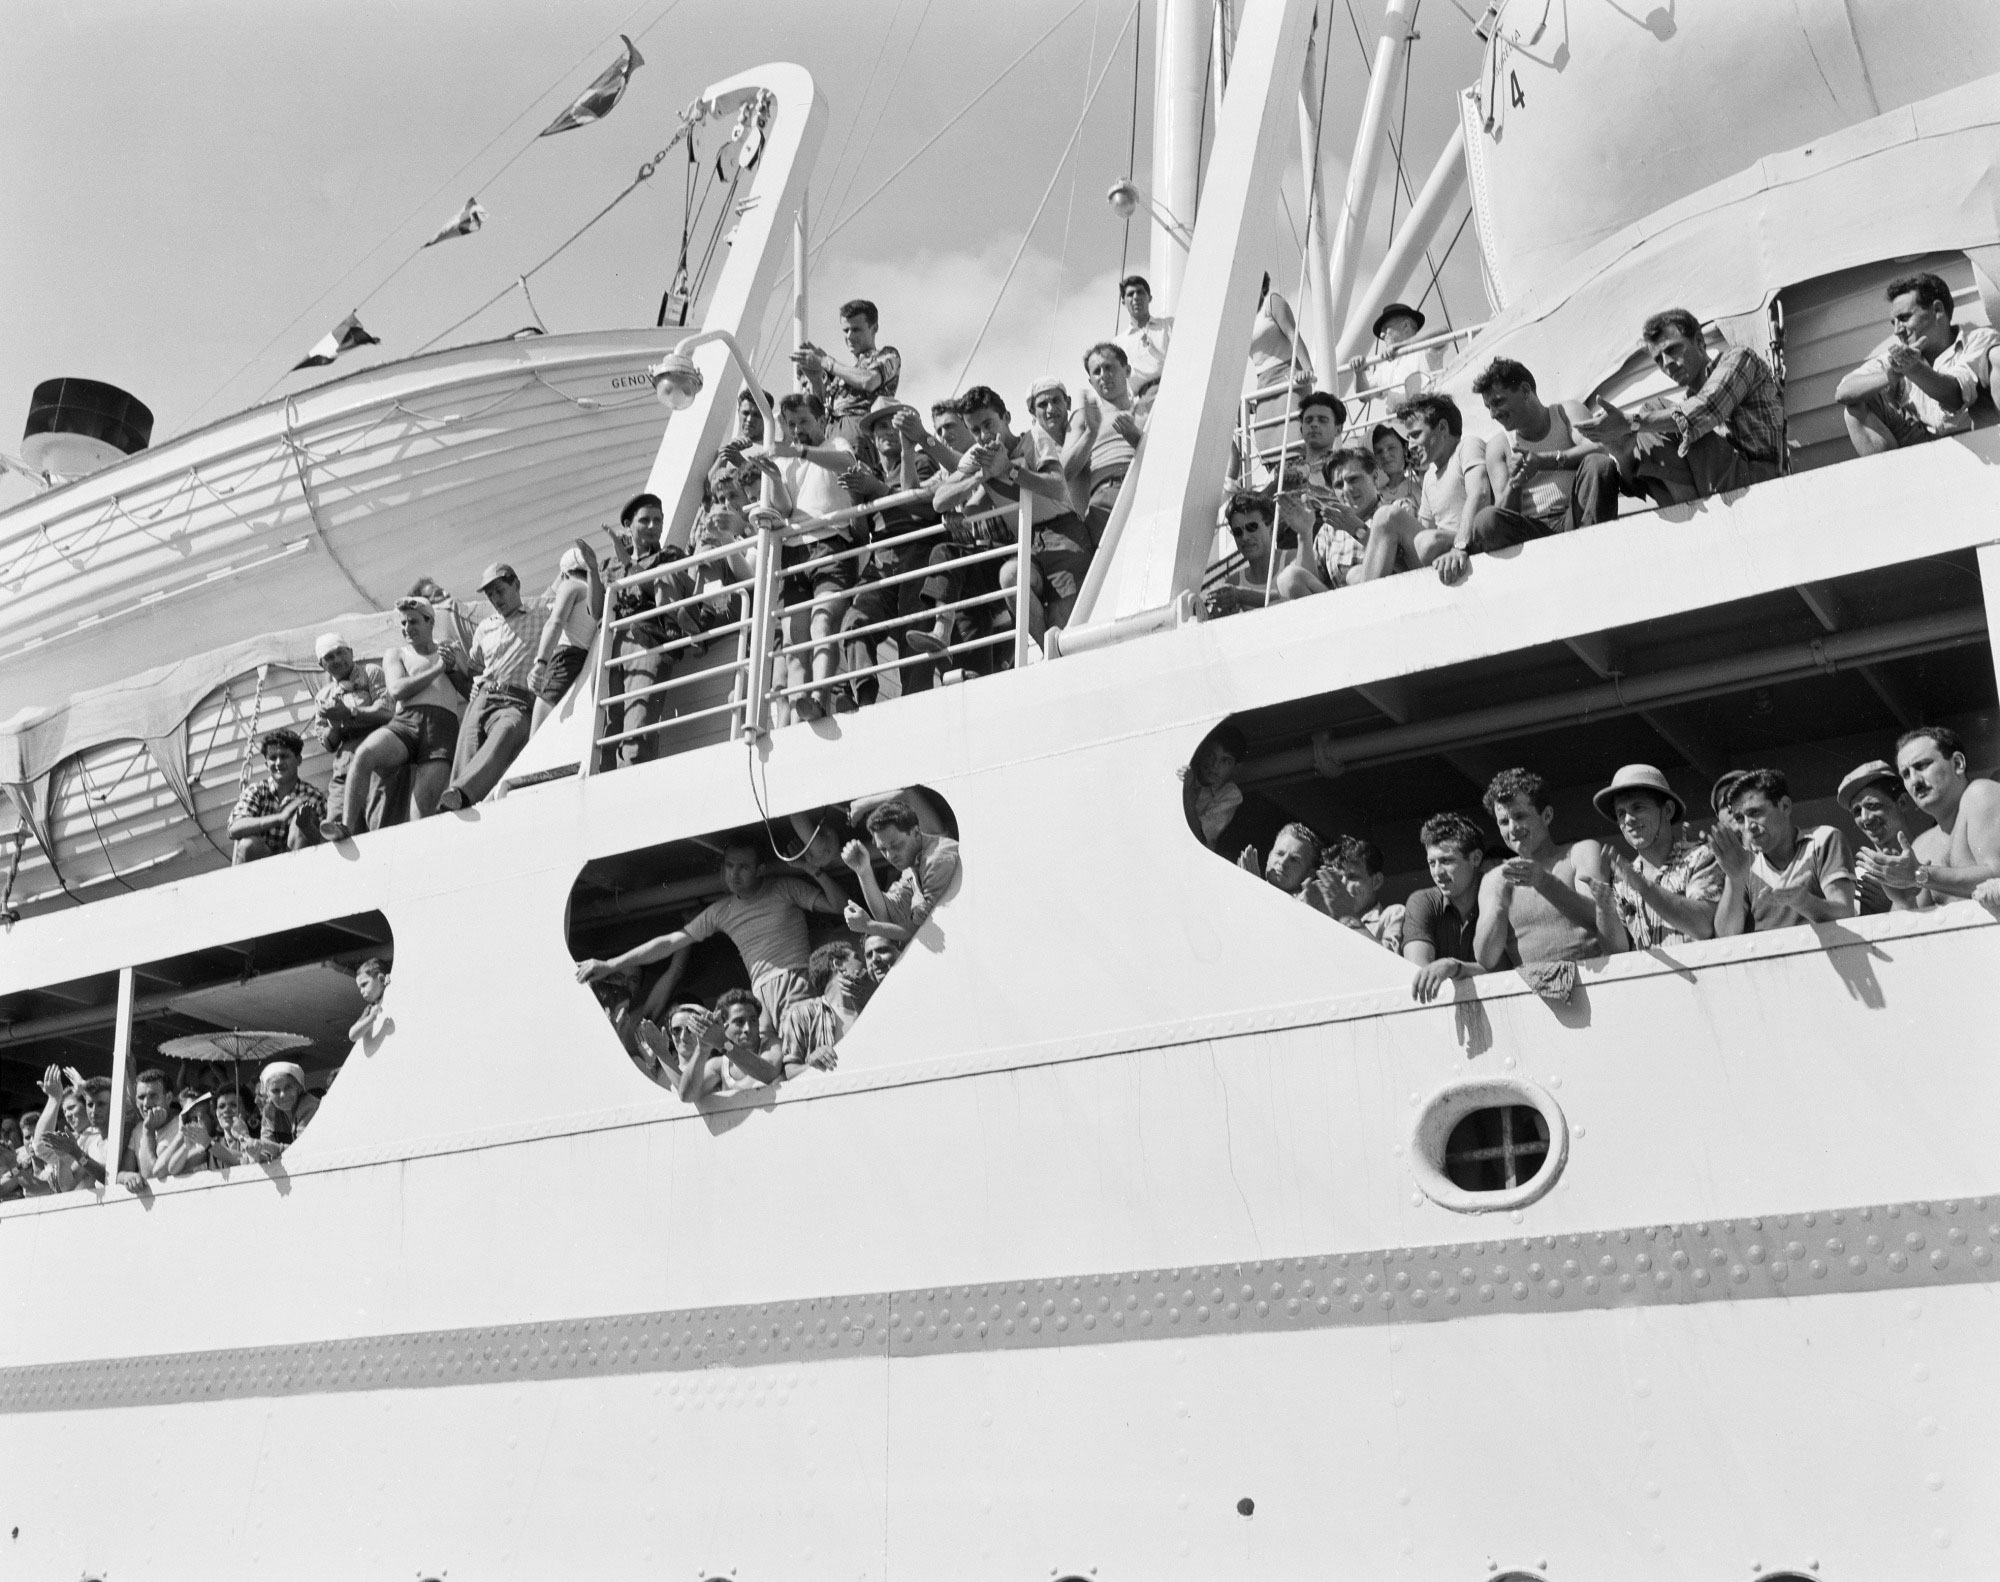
(197, 190)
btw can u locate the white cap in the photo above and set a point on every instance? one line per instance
(572, 560)
(326, 643)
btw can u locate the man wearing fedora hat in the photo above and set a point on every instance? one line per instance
(1396, 371)
(1666, 892)
(1873, 797)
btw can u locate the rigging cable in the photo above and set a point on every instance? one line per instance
(1292, 372)
(861, 104)
(1054, 176)
(861, 160)
(1069, 211)
(1401, 175)
(1131, 157)
(422, 208)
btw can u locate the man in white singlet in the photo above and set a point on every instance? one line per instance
(1546, 476)
(423, 681)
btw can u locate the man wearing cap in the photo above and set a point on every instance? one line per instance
(353, 701)
(1666, 892)
(1963, 852)
(1873, 797)
(278, 813)
(501, 709)
(1145, 343)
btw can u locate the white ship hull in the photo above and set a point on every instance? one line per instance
(515, 1310)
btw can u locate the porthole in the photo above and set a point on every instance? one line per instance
(1490, 1143)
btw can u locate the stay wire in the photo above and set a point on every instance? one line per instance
(442, 187)
(1069, 210)
(1048, 191)
(1131, 158)
(861, 103)
(881, 114)
(1292, 372)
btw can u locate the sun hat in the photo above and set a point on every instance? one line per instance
(1396, 310)
(1640, 777)
(499, 571)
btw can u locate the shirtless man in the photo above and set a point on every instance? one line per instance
(1962, 852)
(1548, 902)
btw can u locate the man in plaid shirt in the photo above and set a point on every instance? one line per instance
(281, 813)
(1725, 431)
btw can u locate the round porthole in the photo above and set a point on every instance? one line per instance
(1488, 1143)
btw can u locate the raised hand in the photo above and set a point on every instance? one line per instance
(1896, 870)
(592, 971)
(856, 918)
(1730, 852)
(1248, 861)
(52, 1082)
(855, 855)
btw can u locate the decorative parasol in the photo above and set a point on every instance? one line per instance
(232, 1046)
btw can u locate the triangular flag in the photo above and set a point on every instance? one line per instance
(602, 96)
(343, 337)
(467, 220)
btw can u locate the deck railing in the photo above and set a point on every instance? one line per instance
(733, 595)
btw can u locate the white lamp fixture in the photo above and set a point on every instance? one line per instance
(676, 381)
(1127, 196)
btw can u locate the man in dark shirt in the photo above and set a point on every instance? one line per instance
(1438, 922)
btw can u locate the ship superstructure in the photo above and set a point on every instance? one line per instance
(1128, 1237)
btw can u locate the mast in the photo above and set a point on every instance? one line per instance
(1181, 45)
(1398, 20)
(1317, 327)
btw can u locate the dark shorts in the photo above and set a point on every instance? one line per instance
(565, 665)
(428, 730)
(821, 581)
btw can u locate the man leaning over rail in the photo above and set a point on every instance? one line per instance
(1962, 852)
(929, 864)
(1777, 874)
(1441, 921)
(500, 712)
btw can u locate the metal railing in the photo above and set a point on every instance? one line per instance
(778, 657)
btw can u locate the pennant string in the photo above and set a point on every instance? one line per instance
(531, 108)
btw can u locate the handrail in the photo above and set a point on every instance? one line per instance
(759, 682)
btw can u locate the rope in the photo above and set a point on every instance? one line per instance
(645, 174)
(7, 912)
(422, 208)
(930, 142)
(861, 106)
(1292, 373)
(1131, 157)
(1069, 209)
(1054, 176)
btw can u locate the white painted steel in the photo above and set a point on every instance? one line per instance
(1350, 226)
(1420, 225)
(1155, 550)
(1626, 109)
(797, 121)
(1180, 43)
(1317, 327)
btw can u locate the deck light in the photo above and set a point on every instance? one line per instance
(676, 381)
(1126, 197)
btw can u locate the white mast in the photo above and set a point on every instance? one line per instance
(1181, 45)
(1398, 20)
(1317, 327)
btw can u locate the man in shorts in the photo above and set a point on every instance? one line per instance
(281, 812)
(425, 683)
(805, 468)
(764, 916)
(501, 710)
(352, 703)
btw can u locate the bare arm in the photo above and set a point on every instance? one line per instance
(1082, 435)
(1489, 939)
(639, 956)
(1977, 858)
(662, 991)
(405, 682)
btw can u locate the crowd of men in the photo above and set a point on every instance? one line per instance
(801, 999)
(204, 1121)
(1340, 511)
(1539, 903)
